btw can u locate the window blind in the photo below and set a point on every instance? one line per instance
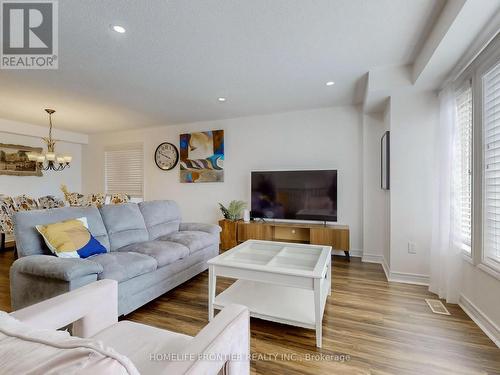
(124, 170)
(491, 129)
(463, 175)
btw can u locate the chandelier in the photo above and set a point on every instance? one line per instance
(50, 160)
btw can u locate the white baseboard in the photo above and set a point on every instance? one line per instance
(487, 326)
(397, 277)
(387, 269)
(372, 258)
(352, 253)
(408, 278)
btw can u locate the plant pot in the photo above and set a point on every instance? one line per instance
(229, 234)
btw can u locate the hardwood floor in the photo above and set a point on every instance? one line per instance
(370, 327)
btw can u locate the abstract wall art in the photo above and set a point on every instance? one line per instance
(202, 157)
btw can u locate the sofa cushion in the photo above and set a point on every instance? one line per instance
(51, 267)
(161, 217)
(121, 266)
(165, 252)
(194, 240)
(125, 224)
(202, 227)
(29, 241)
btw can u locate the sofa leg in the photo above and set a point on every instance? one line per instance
(2, 242)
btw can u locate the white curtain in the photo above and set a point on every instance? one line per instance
(446, 252)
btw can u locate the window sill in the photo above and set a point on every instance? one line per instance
(490, 270)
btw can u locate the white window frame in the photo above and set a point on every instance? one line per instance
(125, 147)
(489, 61)
(465, 82)
(488, 58)
(483, 63)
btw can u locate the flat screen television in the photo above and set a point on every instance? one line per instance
(295, 195)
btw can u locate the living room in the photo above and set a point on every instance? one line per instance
(376, 250)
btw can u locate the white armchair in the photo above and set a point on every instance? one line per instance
(222, 345)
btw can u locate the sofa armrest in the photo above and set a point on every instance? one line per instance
(91, 309)
(209, 228)
(223, 343)
(52, 267)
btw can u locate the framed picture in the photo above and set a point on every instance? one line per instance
(202, 156)
(14, 160)
(385, 154)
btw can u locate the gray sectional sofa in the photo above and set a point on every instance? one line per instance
(150, 251)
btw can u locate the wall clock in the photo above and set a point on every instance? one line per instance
(166, 156)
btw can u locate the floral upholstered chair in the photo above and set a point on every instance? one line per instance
(50, 201)
(119, 198)
(74, 199)
(9, 206)
(80, 200)
(6, 225)
(7, 209)
(25, 203)
(94, 200)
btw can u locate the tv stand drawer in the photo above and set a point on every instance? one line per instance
(291, 234)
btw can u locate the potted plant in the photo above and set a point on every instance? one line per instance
(231, 213)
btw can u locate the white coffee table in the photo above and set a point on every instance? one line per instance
(278, 281)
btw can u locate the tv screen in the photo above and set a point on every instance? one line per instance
(296, 195)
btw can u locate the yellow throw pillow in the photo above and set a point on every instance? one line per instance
(70, 239)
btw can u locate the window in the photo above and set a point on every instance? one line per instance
(491, 150)
(124, 170)
(463, 175)
(477, 150)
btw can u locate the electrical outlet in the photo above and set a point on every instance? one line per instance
(412, 247)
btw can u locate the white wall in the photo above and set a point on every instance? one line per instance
(50, 181)
(375, 200)
(313, 139)
(413, 118)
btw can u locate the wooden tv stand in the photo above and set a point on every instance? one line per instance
(336, 236)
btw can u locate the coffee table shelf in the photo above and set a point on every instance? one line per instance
(276, 303)
(281, 282)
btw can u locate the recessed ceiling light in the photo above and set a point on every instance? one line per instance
(118, 29)
(330, 83)
(221, 99)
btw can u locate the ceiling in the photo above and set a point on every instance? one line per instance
(177, 57)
